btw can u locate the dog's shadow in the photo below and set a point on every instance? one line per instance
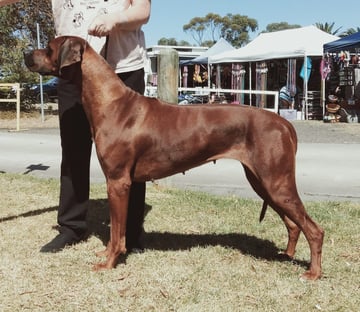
(98, 220)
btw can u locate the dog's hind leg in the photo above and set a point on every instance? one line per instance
(281, 194)
(292, 228)
(256, 185)
(287, 203)
(293, 234)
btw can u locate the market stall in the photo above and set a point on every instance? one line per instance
(199, 71)
(341, 77)
(278, 50)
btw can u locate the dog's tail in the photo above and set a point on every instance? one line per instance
(263, 211)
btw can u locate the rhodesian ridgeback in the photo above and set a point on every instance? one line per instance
(138, 139)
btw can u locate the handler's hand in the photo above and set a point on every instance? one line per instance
(101, 25)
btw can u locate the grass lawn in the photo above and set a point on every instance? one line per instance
(203, 253)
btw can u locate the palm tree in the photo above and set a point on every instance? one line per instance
(328, 28)
(350, 31)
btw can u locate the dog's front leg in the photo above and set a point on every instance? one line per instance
(118, 195)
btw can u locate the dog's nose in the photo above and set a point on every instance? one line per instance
(28, 58)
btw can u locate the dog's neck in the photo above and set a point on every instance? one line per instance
(98, 82)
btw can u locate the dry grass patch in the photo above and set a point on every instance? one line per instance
(203, 253)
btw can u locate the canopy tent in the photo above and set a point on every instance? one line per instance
(290, 43)
(350, 42)
(220, 46)
(285, 44)
(348, 72)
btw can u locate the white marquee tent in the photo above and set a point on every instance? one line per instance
(285, 44)
(220, 46)
(290, 43)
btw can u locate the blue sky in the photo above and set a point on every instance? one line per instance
(169, 16)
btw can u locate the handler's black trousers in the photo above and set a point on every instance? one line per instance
(76, 146)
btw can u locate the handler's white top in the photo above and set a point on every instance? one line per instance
(126, 49)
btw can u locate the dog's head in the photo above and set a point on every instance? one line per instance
(59, 54)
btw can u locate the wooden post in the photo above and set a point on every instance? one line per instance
(168, 75)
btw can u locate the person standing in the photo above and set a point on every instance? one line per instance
(113, 29)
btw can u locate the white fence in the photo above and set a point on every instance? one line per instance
(16, 87)
(152, 91)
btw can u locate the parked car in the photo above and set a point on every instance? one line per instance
(49, 90)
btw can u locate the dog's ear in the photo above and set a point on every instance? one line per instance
(70, 52)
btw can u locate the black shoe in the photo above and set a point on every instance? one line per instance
(60, 242)
(135, 248)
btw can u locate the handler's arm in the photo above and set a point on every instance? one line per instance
(131, 18)
(5, 2)
(136, 15)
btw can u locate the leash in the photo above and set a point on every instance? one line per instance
(106, 47)
(87, 41)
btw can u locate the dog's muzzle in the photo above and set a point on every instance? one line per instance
(29, 59)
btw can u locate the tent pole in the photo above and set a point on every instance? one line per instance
(323, 96)
(305, 87)
(323, 93)
(209, 66)
(250, 86)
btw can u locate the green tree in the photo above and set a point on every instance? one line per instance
(196, 27)
(208, 43)
(172, 42)
(279, 26)
(214, 23)
(167, 41)
(12, 68)
(18, 31)
(350, 31)
(209, 29)
(327, 27)
(183, 43)
(235, 29)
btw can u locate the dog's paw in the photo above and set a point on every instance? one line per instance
(310, 276)
(102, 253)
(102, 266)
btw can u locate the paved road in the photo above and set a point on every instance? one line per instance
(325, 171)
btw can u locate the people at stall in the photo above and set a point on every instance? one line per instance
(286, 98)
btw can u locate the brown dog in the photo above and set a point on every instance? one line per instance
(140, 139)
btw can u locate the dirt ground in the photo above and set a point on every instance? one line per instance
(31, 120)
(310, 131)
(316, 131)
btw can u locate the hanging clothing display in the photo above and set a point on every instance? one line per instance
(238, 81)
(197, 81)
(261, 83)
(291, 77)
(357, 83)
(308, 71)
(325, 67)
(185, 77)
